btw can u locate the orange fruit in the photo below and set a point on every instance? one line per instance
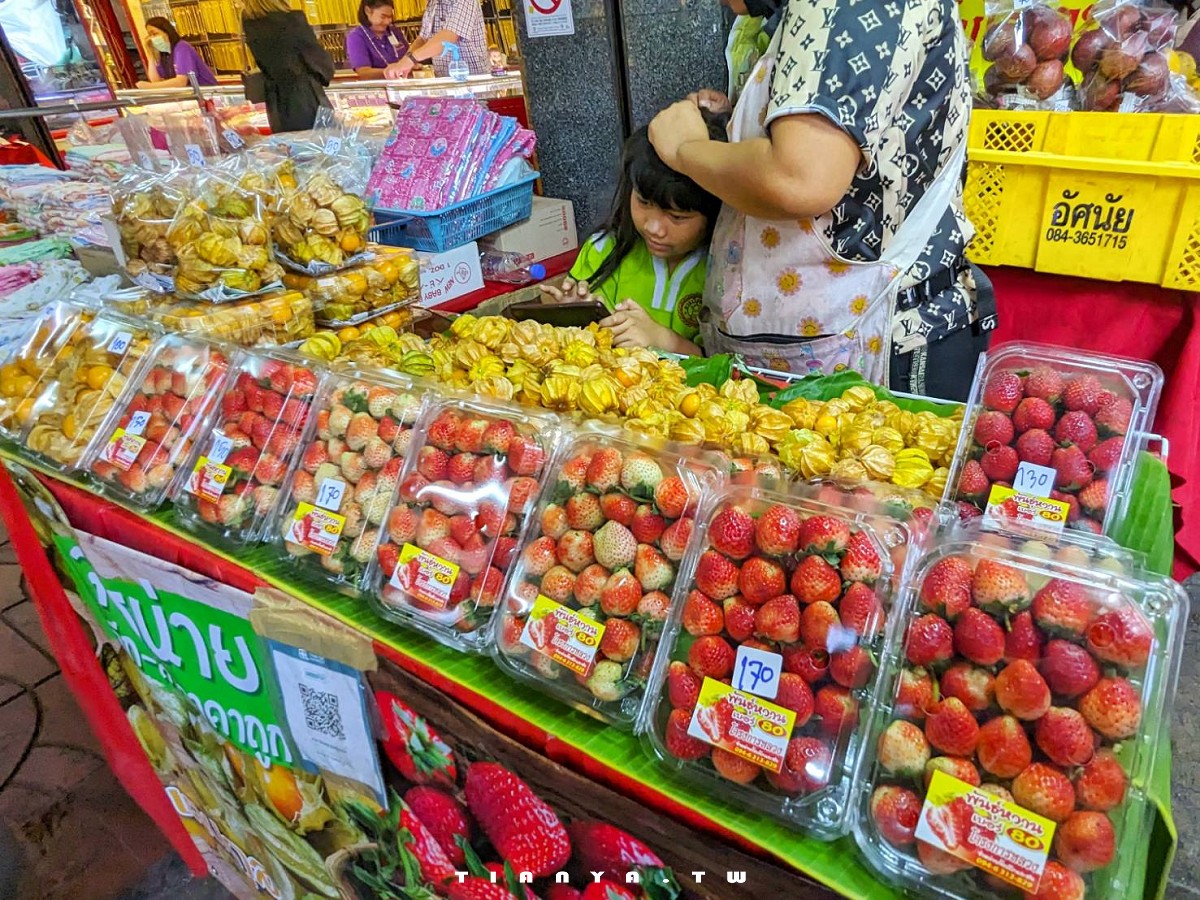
(282, 790)
(349, 333)
(98, 376)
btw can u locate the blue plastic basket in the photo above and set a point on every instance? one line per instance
(455, 225)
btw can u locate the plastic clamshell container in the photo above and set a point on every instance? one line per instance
(82, 384)
(471, 478)
(232, 482)
(389, 281)
(599, 567)
(346, 476)
(801, 591)
(23, 374)
(1099, 409)
(269, 320)
(149, 434)
(1065, 720)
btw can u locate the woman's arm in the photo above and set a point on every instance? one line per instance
(369, 73)
(423, 50)
(315, 57)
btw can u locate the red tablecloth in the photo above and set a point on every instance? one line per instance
(1125, 319)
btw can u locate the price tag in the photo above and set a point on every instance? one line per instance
(426, 578)
(208, 479)
(195, 155)
(997, 836)
(1014, 510)
(234, 139)
(123, 449)
(120, 342)
(145, 159)
(221, 447)
(1036, 481)
(329, 494)
(562, 634)
(757, 671)
(317, 529)
(333, 145)
(742, 724)
(138, 422)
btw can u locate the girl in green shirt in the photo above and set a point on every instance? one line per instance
(648, 263)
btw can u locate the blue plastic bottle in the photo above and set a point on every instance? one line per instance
(457, 69)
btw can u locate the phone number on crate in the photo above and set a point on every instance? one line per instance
(1086, 238)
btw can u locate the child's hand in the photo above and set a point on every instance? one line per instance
(568, 292)
(632, 327)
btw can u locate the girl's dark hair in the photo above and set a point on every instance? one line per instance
(371, 4)
(656, 182)
(166, 66)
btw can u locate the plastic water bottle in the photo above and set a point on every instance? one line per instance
(510, 268)
(457, 69)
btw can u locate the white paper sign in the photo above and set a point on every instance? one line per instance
(757, 671)
(1034, 480)
(549, 18)
(194, 153)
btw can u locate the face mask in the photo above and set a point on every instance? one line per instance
(161, 44)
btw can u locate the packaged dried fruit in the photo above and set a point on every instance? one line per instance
(144, 205)
(1019, 697)
(1024, 50)
(136, 301)
(345, 479)
(23, 373)
(470, 480)
(231, 483)
(1124, 55)
(80, 387)
(1055, 424)
(269, 320)
(591, 590)
(390, 280)
(151, 431)
(769, 661)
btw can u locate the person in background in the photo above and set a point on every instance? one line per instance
(296, 69)
(374, 49)
(748, 40)
(449, 22)
(171, 59)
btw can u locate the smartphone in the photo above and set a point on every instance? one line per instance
(572, 314)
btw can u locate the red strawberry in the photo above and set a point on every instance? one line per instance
(1114, 417)
(711, 657)
(979, 638)
(993, 428)
(1046, 791)
(860, 610)
(815, 579)
(816, 623)
(1082, 393)
(777, 531)
(837, 709)
(583, 512)
(443, 816)
(861, 561)
(1072, 468)
(716, 575)
(806, 767)
(939, 862)
(672, 497)
(951, 728)
(701, 615)
(851, 668)
(618, 507)
(683, 685)
(461, 468)
(962, 769)
(1093, 499)
(1024, 640)
(999, 588)
(620, 641)
(475, 887)
(795, 694)
(739, 618)
(895, 812)
(1076, 429)
(558, 584)
(540, 556)
(1064, 736)
(674, 541)
(1000, 462)
(589, 585)
(525, 456)
(731, 532)
(1101, 784)
(653, 607)
(761, 579)
(621, 594)
(903, 749)
(469, 437)
(1036, 447)
(973, 685)
(1003, 749)
(973, 482)
(1063, 608)
(778, 620)
(734, 768)
(605, 848)
(497, 437)
(1020, 690)
(946, 589)
(604, 470)
(647, 525)
(1121, 637)
(1033, 413)
(914, 692)
(1003, 391)
(1113, 708)
(1059, 883)
(824, 534)
(1069, 670)
(524, 830)
(678, 742)
(1085, 841)
(810, 664)
(432, 463)
(1106, 455)
(416, 750)
(930, 641)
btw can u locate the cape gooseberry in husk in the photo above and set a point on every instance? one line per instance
(1018, 65)
(1086, 53)
(1100, 94)
(1046, 79)
(999, 40)
(1119, 61)
(1049, 35)
(1150, 77)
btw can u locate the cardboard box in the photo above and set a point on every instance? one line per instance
(549, 231)
(449, 275)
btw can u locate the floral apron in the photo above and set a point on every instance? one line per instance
(797, 305)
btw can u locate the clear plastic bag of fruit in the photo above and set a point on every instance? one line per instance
(81, 386)
(1059, 423)
(1024, 51)
(469, 484)
(339, 492)
(231, 483)
(1124, 55)
(388, 280)
(24, 371)
(1017, 690)
(591, 591)
(273, 319)
(151, 430)
(144, 206)
(768, 665)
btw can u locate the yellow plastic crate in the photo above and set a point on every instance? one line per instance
(1099, 195)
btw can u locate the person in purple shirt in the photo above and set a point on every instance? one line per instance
(171, 58)
(374, 49)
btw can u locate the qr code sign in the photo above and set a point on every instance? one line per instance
(321, 712)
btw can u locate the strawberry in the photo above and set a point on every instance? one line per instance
(711, 657)
(930, 641)
(525, 831)
(360, 429)
(652, 569)
(604, 470)
(554, 521)
(731, 532)
(1002, 749)
(946, 588)
(1024, 640)
(1076, 429)
(701, 615)
(621, 594)
(795, 694)
(973, 482)
(995, 790)
(739, 618)
(461, 468)
(618, 507)
(647, 525)
(1003, 391)
(233, 403)
(469, 436)
(1035, 446)
(620, 640)
(462, 529)
(903, 749)
(999, 588)
(1073, 511)
(978, 638)
(1106, 455)
(1072, 468)
(432, 463)
(640, 475)
(824, 534)
(778, 530)
(733, 767)
(558, 584)
(993, 428)
(895, 812)
(1114, 417)
(810, 664)
(778, 620)
(675, 539)
(488, 469)
(1082, 394)
(1069, 670)
(861, 561)
(683, 686)
(1121, 637)
(1101, 784)
(272, 406)
(539, 557)
(837, 710)
(522, 493)
(914, 692)
(851, 668)
(605, 848)
(939, 862)
(485, 588)
(575, 550)
(525, 456)
(678, 742)
(475, 887)
(431, 526)
(1033, 413)
(1064, 736)
(1085, 841)
(1021, 691)
(761, 579)
(589, 584)
(1112, 708)
(716, 575)
(417, 751)
(672, 497)
(860, 610)
(807, 765)
(444, 818)
(999, 463)
(1059, 883)
(653, 608)
(497, 437)
(1063, 608)
(815, 579)
(1045, 790)
(974, 686)
(232, 509)
(816, 622)
(1093, 499)
(950, 727)
(583, 512)
(960, 768)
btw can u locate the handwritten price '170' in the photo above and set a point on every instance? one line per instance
(756, 673)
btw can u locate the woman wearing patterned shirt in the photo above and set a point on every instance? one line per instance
(449, 22)
(841, 241)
